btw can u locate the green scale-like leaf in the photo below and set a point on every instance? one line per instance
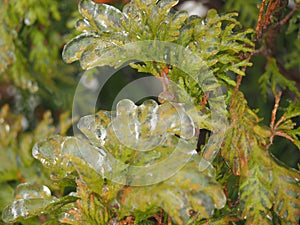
(140, 21)
(256, 197)
(219, 46)
(293, 56)
(187, 190)
(262, 179)
(105, 26)
(267, 186)
(272, 78)
(17, 163)
(248, 10)
(143, 136)
(29, 45)
(126, 135)
(288, 126)
(32, 200)
(102, 17)
(237, 149)
(125, 141)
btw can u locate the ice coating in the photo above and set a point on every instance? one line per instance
(141, 127)
(53, 153)
(29, 198)
(156, 139)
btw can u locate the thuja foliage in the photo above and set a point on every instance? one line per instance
(32, 37)
(245, 184)
(17, 164)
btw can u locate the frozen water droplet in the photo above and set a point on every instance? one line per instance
(30, 17)
(46, 151)
(144, 127)
(125, 107)
(134, 125)
(27, 191)
(86, 124)
(94, 127)
(269, 217)
(194, 8)
(101, 134)
(24, 123)
(27, 21)
(7, 128)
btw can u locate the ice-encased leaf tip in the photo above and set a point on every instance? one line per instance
(103, 17)
(30, 200)
(74, 49)
(56, 153)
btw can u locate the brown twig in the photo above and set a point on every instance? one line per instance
(285, 135)
(264, 19)
(238, 83)
(288, 16)
(274, 111)
(239, 78)
(262, 22)
(270, 10)
(262, 49)
(282, 118)
(259, 26)
(274, 126)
